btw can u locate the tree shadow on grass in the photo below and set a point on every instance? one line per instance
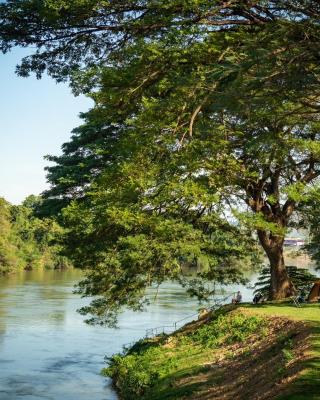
(259, 373)
(308, 384)
(184, 384)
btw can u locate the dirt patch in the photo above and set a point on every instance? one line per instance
(260, 368)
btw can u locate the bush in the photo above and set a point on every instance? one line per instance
(227, 329)
(134, 373)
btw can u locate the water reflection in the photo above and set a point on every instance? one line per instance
(46, 352)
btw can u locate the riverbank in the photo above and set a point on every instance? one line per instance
(262, 352)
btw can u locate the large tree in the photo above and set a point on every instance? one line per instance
(248, 148)
(218, 94)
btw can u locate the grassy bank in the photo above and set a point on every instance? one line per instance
(264, 352)
(307, 384)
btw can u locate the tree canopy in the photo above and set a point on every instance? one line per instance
(76, 34)
(205, 128)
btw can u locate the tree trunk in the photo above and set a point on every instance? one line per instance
(281, 286)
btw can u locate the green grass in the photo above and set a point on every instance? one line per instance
(308, 385)
(177, 366)
(151, 370)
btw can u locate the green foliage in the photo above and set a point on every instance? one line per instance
(288, 354)
(204, 128)
(27, 242)
(133, 373)
(310, 211)
(144, 366)
(8, 257)
(302, 279)
(227, 330)
(78, 34)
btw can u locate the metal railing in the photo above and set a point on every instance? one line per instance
(167, 329)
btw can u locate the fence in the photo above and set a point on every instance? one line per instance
(167, 329)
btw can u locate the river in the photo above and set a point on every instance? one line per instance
(48, 352)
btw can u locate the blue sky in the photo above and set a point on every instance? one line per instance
(36, 117)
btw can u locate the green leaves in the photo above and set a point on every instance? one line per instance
(302, 279)
(196, 139)
(70, 36)
(27, 242)
(204, 128)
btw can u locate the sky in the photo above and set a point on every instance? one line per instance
(36, 118)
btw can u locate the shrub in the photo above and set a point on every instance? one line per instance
(227, 329)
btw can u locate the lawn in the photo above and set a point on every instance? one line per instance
(308, 385)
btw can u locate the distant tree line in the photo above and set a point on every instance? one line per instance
(26, 241)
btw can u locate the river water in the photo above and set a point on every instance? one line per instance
(48, 352)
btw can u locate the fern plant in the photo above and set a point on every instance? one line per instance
(302, 279)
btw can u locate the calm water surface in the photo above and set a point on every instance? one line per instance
(47, 352)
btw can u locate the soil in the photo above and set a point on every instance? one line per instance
(261, 368)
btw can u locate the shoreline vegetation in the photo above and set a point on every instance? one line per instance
(27, 241)
(270, 351)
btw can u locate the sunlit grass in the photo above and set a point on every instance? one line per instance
(308, 385)
(180, 366)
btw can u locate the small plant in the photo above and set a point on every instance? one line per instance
(134, 374)
(287, 350)
(247, 352)
(288, 354)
